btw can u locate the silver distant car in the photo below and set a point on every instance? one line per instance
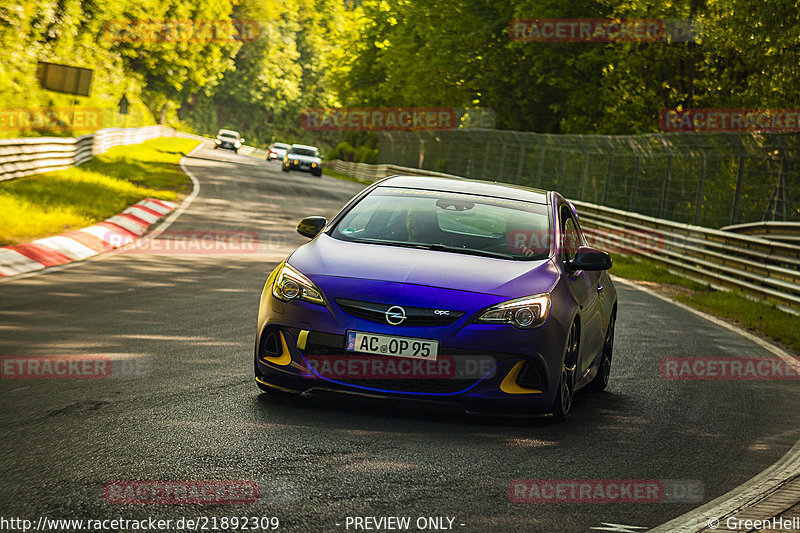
(229, 140)
(277, 151)
(303, 158)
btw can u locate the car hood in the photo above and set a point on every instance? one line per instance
(326, 256)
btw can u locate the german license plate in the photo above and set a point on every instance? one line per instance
(358, 341)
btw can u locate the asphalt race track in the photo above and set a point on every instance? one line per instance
(193, 412)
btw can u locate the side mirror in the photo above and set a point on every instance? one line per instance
(311, 226)
(241, 139)
(588, 258)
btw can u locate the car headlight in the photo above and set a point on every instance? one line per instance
(525, 313)
(292, 285)
(217, 141)
(313, 165)
(296, 162)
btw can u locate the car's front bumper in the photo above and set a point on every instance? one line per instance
(314, 168)
(500, 369)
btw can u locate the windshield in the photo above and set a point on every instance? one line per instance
(463, 223)
(312, 152)
(280, 146)
(229, 135)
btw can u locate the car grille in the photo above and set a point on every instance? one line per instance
(322, 344)
(415, 316)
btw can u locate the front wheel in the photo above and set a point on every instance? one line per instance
(283, 167)
(566, 385)
(600, 381)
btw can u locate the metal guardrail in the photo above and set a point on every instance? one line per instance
(788, 232)
(372, 173)
(762, 269)
(23, 157)
(34, 155)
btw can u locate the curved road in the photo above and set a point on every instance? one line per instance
(191, 411)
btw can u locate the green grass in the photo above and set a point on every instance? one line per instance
(46, 204)
(627, 267)
(760, 318)
(338, 175)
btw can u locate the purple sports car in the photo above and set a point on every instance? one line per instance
(475, 293)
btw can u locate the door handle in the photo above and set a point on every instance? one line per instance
(600, 289)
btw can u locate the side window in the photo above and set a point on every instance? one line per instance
(570, 235)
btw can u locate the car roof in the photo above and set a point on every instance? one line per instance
(281, 145)
(467, 186)
(305, 146)
(228, 131)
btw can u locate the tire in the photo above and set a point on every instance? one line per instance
(283, 167)
(562, 403)
(600, 381)
(318, 174)
(236, 150)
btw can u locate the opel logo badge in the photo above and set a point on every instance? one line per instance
(395, 315)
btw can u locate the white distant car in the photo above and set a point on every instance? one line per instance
(229, 140)
(303, 158)
(277, 151)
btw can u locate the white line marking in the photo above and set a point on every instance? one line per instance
(772, 478)
(160, 228)
(620, 528)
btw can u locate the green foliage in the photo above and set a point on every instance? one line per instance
(345, 151)
(424, 53)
